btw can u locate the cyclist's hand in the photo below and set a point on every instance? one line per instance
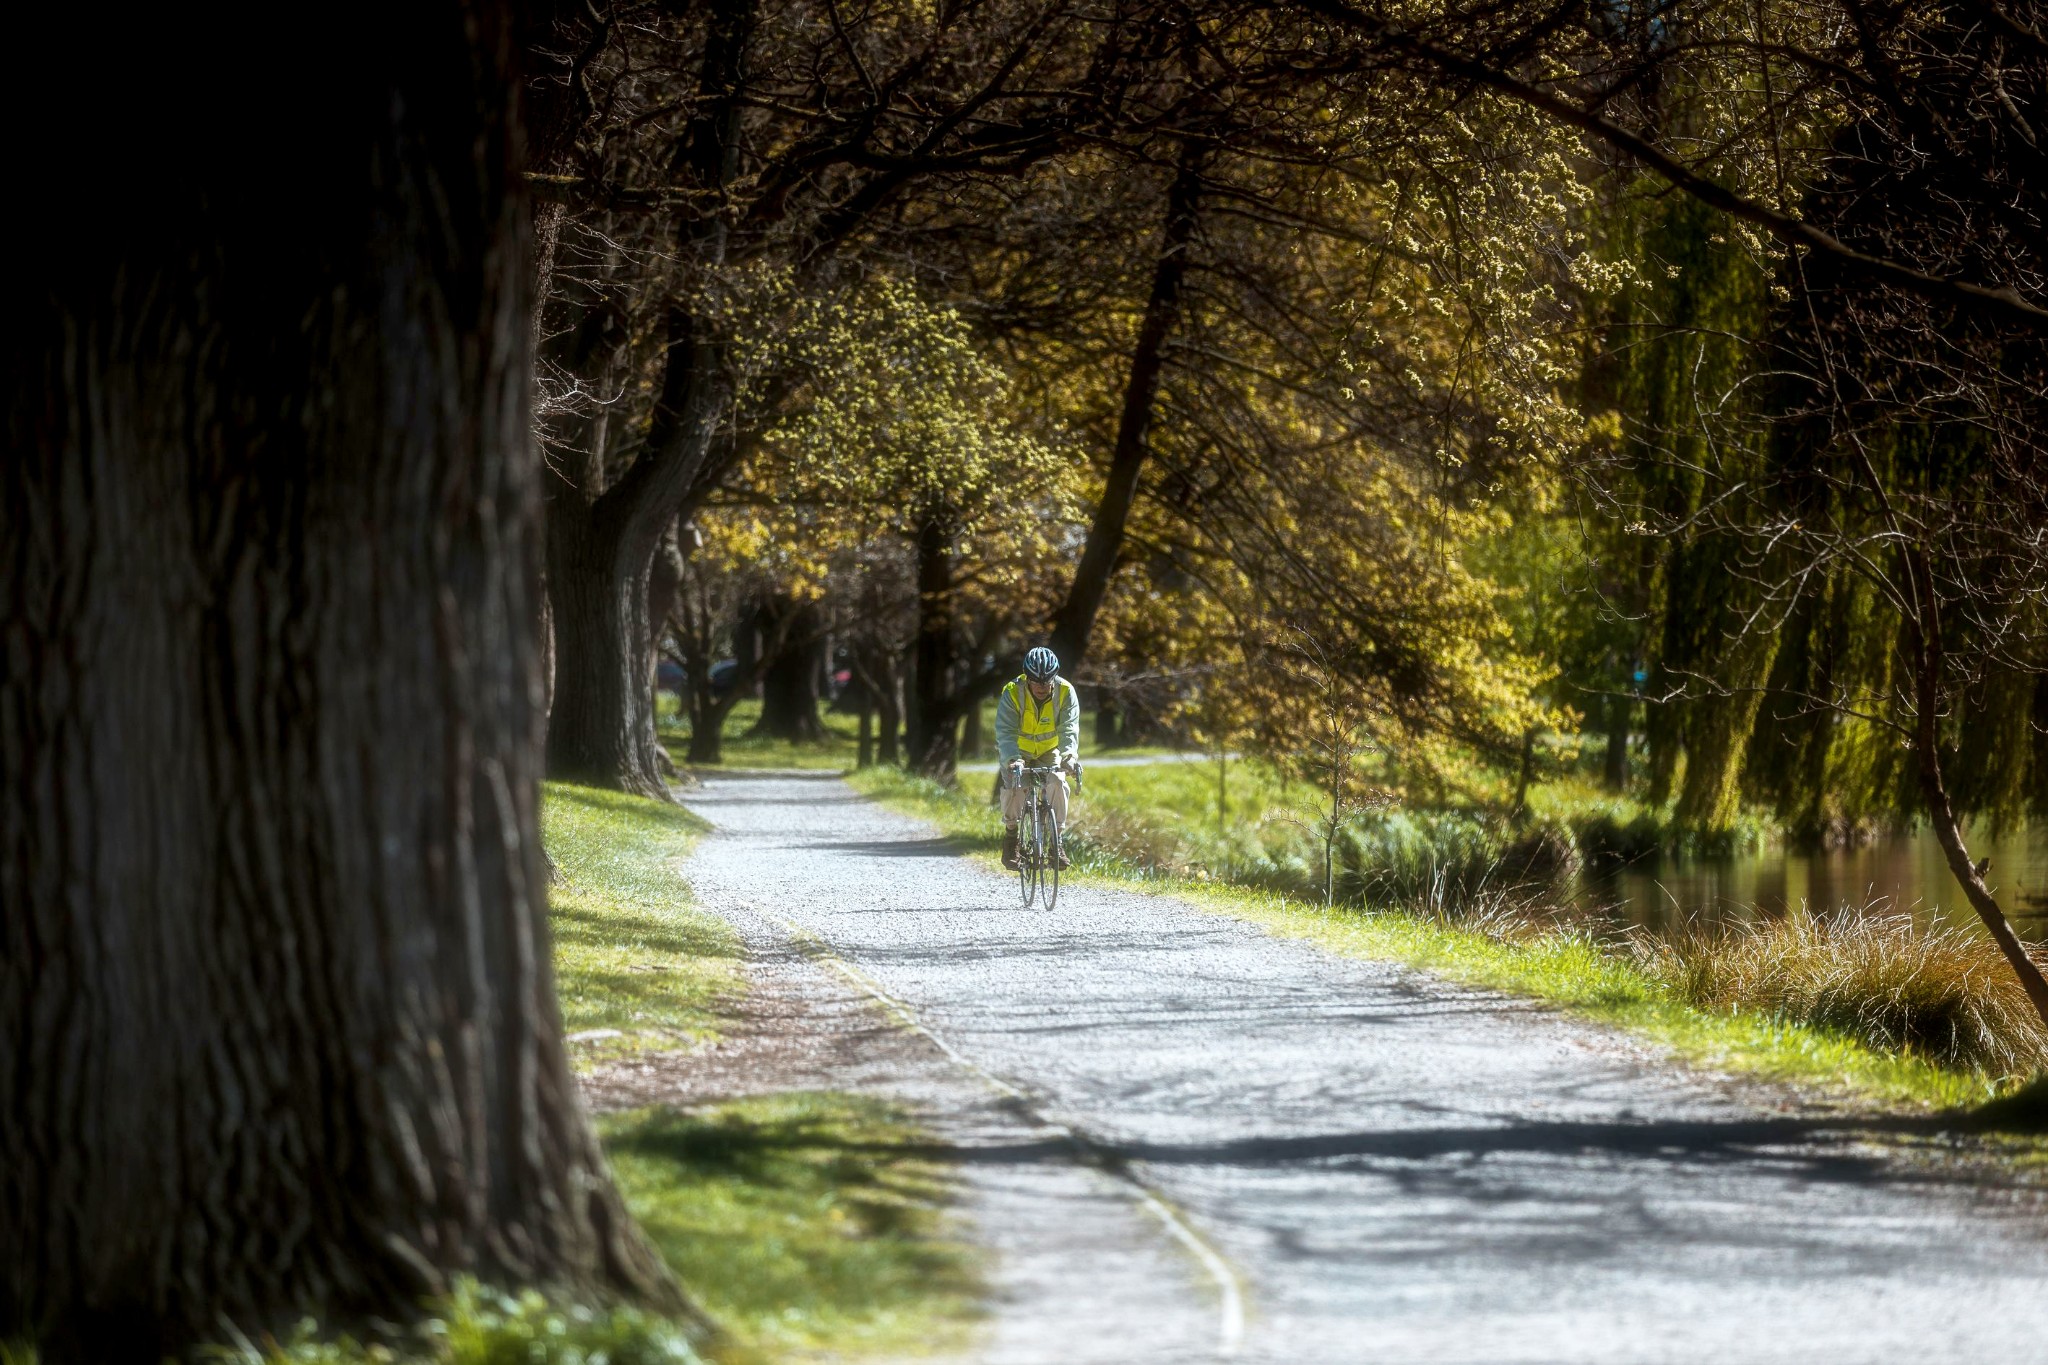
(1016, 765)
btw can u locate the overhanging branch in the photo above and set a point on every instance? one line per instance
(2005, 302)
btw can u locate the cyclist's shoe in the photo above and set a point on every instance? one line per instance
(1010, 847)
(1059, 853)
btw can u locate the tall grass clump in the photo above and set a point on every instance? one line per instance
(1880, 978)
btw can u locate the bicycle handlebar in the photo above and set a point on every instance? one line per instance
(1058, 765)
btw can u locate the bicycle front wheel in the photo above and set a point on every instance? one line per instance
(1049, 841)
(1027, 857)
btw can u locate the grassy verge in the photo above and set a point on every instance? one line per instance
(1232, 822)
(805, 1222)
(637, 965)
(1569, 968)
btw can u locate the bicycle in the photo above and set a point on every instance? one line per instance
(1038, 837)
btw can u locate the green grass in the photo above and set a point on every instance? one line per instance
(802, 1221)
(634, 956)
(1564, 967)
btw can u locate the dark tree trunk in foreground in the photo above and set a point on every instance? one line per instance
(274, 973)
(1076, 619)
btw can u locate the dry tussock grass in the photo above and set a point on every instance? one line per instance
(1881, 977)
(1115, 839)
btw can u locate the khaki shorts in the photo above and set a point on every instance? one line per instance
(1013, 797)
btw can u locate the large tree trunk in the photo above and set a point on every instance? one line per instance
(601, 730)
(274, 973)
(1076, 619)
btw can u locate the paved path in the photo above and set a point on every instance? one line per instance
(1394, 1169)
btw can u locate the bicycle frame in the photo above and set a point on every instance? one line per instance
(1038, 836)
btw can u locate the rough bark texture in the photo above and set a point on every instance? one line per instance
(274, 973)
(1076, 619)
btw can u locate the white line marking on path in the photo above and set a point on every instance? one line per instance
(1230, 1324)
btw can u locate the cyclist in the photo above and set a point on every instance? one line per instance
(1038, 721)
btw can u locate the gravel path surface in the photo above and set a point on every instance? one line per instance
(1393, 1168)
(1076, 1263)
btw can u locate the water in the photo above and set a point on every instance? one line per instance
(1902, 874)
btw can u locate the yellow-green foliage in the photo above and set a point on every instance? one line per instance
(632, 953)
(1895, 984)
(801, 1220)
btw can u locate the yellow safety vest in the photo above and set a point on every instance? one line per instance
(1038, 723)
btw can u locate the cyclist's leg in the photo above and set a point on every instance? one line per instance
(1056, 797)
(1013, 808)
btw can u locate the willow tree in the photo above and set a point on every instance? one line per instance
(1893, 163)
(274, 971)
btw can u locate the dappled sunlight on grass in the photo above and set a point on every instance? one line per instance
(480, 1326)
(632, 954)
(802, 1220)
